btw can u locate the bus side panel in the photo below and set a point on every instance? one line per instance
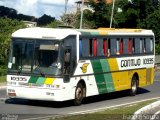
(84, 71)
(150, 76)
(121, 80)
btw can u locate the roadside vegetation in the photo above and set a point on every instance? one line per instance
(117, 113)
(2, 79)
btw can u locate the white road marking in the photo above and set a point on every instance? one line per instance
(101, 109)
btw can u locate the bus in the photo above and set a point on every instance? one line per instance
(55, 64)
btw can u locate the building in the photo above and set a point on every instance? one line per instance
(86, 2)
(30, 24)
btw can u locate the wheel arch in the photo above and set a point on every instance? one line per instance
(137, 77)
(82, 81)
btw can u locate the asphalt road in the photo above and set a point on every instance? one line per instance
(24, 109)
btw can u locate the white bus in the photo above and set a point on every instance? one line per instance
(56, 64)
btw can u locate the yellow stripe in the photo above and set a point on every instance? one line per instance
(49, 81)
(103, 32)
(113, 64)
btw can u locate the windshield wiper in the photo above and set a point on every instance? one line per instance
(40, 71)
(19, 71)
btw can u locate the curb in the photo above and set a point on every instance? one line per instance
(143, 110)
(3, 85)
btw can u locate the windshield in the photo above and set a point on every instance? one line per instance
(35, 56)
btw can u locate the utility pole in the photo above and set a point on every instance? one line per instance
(81, 19)
(112, 13)
(65, 10)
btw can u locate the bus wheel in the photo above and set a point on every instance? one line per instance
(134, 86)
(79, 94)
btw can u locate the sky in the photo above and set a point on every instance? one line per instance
(37, 8)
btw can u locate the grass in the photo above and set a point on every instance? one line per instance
(119, 113)
(2, 79)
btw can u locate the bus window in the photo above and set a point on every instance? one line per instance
(90, 47)
(80, 47)
(109, 47)
(118, 47)
(105, 47)
(133, 45)
(130, 45)
(151, 45)
(142, 45)
(121, 46)
(95, 47)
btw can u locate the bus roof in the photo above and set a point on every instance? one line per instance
(59, 33)
(44, 33)
(116, 32)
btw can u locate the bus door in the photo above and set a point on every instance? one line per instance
(67, 65)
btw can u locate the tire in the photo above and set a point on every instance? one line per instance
(134, 86)
(79, 94)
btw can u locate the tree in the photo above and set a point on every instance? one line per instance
(44, 20)
(7, 26)
(153, 22)
(101, 16)
(55, 24)
(69, 19)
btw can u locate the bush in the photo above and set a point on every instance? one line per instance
(3, 71)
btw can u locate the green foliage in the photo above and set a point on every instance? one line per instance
(55, 24)
(157, 47)
(6, 12)
(153, 22)
(88, 20)
(8, 26)
(102, 13)
(45, 19)
(2, 80)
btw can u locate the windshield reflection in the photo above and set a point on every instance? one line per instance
(35, 56)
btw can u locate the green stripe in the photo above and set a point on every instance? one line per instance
(108, 76)
(104, 81)
(41, 80)
(100, 80)
(33, 80)
(95, 33)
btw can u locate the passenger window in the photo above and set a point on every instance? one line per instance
(121, 46)
(130, 46)
(151, 45)
(95, 47)
(142, 45)
(118, 47)
(80, 47)
(90, 47)
(105, 47)
(109, 47)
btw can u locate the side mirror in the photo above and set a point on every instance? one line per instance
(67, 57)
